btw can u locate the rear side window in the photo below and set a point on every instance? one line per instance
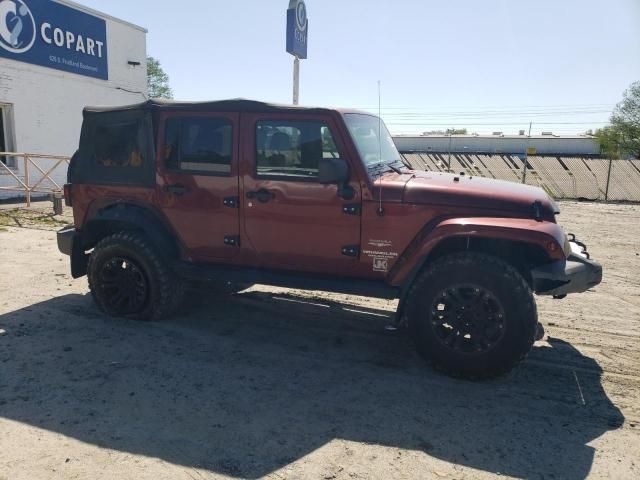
(198, 144)
(115, 148)
(116, 145)
(292, 148)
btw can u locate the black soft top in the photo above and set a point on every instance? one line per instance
(232, 105)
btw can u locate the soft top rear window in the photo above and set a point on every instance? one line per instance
(115, 148)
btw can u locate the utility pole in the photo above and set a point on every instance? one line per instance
(526, 156)
(449, 156)
(619, 155)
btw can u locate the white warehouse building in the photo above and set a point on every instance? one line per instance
(56, 57)
(547, 144)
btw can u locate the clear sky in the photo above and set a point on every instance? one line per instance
(483, 64)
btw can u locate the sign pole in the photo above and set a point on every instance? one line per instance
(297, 34)
(296, 80)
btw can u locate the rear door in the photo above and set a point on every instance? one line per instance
(198, 181)
(291, 221)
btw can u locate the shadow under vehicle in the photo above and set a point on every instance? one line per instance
(247, 384)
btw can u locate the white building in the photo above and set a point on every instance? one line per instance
(56, 57)
(550, 144)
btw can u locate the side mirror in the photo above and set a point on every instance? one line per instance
(333, 170)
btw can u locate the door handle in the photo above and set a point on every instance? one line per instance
(263, 195)
(176, 189)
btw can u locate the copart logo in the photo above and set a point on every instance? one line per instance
(17, 26)
(301, 16)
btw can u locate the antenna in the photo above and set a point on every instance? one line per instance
(380, 209)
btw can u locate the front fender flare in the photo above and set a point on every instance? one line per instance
(547, 235)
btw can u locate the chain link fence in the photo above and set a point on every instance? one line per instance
(577, 178)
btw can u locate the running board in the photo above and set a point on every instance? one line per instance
(287, 279)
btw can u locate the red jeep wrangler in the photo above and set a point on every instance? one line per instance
(244, 192)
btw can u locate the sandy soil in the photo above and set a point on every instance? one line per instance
(288, 384)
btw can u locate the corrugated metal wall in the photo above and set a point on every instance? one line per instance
(562, 177)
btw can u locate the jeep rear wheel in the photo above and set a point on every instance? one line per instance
(129, 278)
(472, 315)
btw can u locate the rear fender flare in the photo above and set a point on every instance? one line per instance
(128, 216)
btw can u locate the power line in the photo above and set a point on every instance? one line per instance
(409, 113)
(494, 108)
(454, 124)
(498, 112)
(525, 116)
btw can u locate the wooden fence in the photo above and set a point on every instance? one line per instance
(36, 174)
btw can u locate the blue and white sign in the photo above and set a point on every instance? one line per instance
(50, 34)
(297, 28)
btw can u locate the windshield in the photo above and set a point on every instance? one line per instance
(365, 130)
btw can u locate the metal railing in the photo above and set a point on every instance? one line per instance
(36, 176)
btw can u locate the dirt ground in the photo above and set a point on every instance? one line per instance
(288, 384)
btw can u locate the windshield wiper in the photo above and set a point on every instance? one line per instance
(379, 168)
(398, 164)
(393, 167)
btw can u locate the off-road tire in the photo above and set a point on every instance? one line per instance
(505, 286)
(165, 290)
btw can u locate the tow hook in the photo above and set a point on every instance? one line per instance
(572, 238)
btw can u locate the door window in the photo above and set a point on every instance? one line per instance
(292, 149)
(199, 144)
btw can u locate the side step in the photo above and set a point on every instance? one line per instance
(287, 279)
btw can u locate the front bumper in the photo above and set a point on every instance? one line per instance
(70, 243)
(578, 273)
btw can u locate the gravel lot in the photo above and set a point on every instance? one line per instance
(287, 384)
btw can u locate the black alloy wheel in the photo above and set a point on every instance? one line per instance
(124, 286)
(471, 315)
(129, 277)
(467, 319)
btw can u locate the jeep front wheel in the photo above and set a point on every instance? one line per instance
(129, 278)
(472, 315)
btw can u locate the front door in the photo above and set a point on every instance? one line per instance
(198, 184)
(291, 221)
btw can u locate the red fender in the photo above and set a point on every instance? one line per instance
(547, 235)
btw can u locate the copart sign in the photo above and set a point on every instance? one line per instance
(53, 35)
(297, 28)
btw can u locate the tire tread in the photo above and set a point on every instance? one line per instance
(170, 289)
(521, 291)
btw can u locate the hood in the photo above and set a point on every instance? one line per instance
(435, 188)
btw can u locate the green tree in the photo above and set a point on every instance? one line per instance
(626, 120)
(622, 137)
(609, 140)
(157, 80)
